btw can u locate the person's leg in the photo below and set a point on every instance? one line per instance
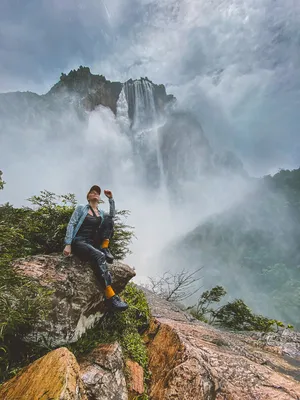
(86, 252)
(105, 234)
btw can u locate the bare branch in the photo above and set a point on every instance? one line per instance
(175, 286)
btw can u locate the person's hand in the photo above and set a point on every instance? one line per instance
(108, 194)
(67, 250)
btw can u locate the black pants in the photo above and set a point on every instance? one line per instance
(89, 250)
(106, 231)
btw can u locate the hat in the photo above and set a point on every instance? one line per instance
(96, 188)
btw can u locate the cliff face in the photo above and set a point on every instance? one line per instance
(192, 360)
(92, 90)
(83, 90)
(95, 90)
(168, 146)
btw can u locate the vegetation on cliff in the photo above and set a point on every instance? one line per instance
(236, 315)
(82, 80)
(122, 327)
(25, 231)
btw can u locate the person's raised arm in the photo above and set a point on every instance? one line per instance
(112, 207)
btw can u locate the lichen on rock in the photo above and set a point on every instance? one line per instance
(54, 376)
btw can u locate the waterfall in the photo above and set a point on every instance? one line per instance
(145, 121)
(141, 104)
(122, 112)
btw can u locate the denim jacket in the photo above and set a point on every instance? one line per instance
(79, 215)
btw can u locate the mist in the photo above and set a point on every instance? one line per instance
(233, 67)
(63, 153)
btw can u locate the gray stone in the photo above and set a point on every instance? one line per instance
(77, 299)
(102, 373)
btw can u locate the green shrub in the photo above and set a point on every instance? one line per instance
(203, 308)
(238, 316)
(123, 327)
(234, 315)
(39, 229)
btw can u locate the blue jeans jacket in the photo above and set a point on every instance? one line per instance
(79, 215)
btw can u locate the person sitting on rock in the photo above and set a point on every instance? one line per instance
(87, 236)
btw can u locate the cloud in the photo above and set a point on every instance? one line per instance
(238, 60)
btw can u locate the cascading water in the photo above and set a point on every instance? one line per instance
(137, 98)
(141, 104)
(122, 112)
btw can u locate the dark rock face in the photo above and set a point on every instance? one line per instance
(229, 162)
(83, 90)
(185, 150)
(192, 360)
(77, 299)
(93, 90)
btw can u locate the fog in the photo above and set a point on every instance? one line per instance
(103, 149)
(164, 171)
(233, 67)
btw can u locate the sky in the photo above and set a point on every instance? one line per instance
(233, 62)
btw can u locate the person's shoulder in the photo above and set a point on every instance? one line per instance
(80, 207)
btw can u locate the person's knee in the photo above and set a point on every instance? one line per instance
(99, 257)
(107, 228)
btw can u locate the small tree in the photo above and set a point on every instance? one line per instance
(176, 286)
(202, 309)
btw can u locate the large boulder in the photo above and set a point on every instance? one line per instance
(77, 299)
(54, 376)
(102, 373)
(192, 360)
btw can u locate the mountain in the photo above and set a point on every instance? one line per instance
(168, 143)
(253, 248)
